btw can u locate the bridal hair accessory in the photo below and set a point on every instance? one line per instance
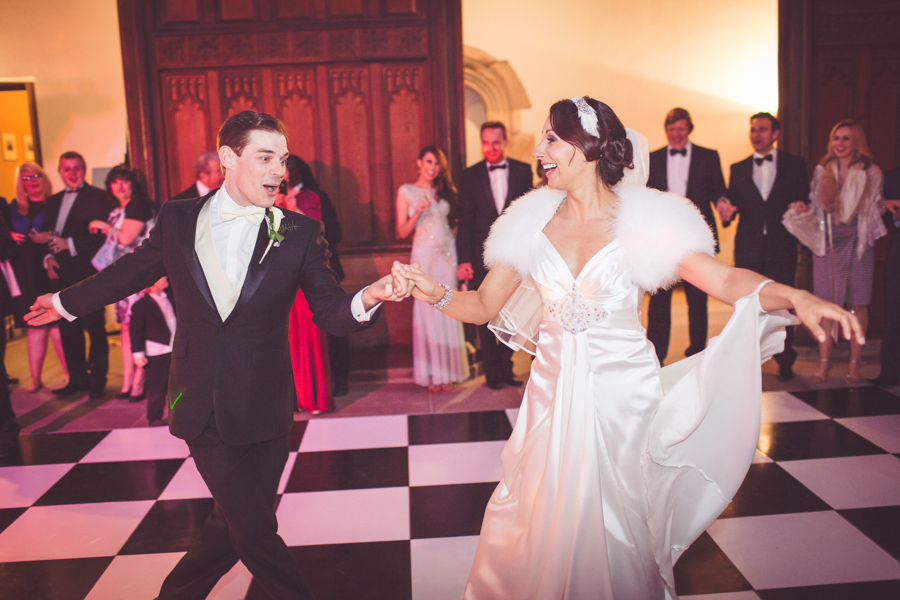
(587, 116)
(445, 300)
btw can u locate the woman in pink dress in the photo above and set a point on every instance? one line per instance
(309, 348)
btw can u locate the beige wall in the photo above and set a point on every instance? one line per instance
(717, 59)
(72, 51)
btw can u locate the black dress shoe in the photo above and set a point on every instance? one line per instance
(69, 390)
(340, 388)
(882, 381)
(785, 373)
(12, 380)
(495, 385)
(157, 423)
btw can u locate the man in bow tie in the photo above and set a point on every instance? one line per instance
(486, 189)
(231, 391)
(695, 172)
(761, 188)
(71, 247)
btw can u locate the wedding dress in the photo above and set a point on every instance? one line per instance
(439, 348)
(615, 465)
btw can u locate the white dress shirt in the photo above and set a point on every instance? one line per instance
(234, 242)
(499, 184)
(65, 207)
(764, 174)
(677, 169)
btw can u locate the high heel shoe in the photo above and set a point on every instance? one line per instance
(851, 378)
(821, 372)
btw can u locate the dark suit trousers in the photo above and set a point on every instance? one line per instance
(779, 271)
(659, 320)
(890, 344)
(9, 429)
(156, 384)
(339, 357)
(496, 357)
(244, 483)
(72, 337)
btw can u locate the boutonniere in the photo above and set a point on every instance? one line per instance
(275, 233)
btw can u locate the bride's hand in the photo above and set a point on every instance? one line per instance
(811, 310)
(426, 289)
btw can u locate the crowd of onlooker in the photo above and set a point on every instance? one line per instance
(51, 241)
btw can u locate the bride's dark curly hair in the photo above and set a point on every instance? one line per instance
(611, 149)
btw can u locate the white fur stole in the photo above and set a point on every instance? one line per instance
(656, 232)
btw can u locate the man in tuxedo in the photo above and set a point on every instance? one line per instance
(485, 190)
(762, 187)
(694, 172)
(234, 267)
(208, 172)
(890, 344)
(68, 214)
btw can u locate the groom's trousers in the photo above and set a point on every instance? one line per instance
(244, 483)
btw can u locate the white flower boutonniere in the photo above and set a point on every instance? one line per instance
(276, 235)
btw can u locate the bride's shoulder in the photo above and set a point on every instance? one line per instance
(515, 232)
(657, 231)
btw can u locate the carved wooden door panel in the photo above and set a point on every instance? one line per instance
(361, 85)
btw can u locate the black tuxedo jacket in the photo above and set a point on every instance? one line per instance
(477, 211)
(191, 192)
(759, 216)
(705, 182)
(148, 323)
(90, 204)
(240, 369)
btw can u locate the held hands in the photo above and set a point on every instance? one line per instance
(425, 289)
(42, 311)
(800, 207)
(812, 311)
(393, 287)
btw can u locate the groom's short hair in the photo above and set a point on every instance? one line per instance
(235, 131)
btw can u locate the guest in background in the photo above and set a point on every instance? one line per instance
(846, 185)
(26, 217)
(761, 188)
(890, 343)
(152, 334)
(209, 176)
(9, 428)
(308, 344)
(428, 207)
(485, 190)
(125, 228)
(301, 177)
(72, 246)
(695, 173)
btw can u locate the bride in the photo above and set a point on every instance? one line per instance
(615, 465)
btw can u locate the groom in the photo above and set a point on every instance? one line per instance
(230, 388)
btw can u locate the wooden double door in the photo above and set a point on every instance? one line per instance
(361, 86)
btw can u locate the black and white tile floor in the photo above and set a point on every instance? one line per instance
(389, 507)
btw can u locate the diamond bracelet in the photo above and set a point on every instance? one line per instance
(445, 300)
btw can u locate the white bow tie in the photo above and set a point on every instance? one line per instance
(230, 211)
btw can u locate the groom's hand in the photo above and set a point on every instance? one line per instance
(42, 311)
(390, 288)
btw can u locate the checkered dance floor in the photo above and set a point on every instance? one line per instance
(389, 507)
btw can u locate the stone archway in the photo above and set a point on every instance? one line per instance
(494, 93)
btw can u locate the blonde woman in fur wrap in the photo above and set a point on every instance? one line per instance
(615, 465)
(847, 187)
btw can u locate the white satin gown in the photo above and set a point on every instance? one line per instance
(595, 502)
